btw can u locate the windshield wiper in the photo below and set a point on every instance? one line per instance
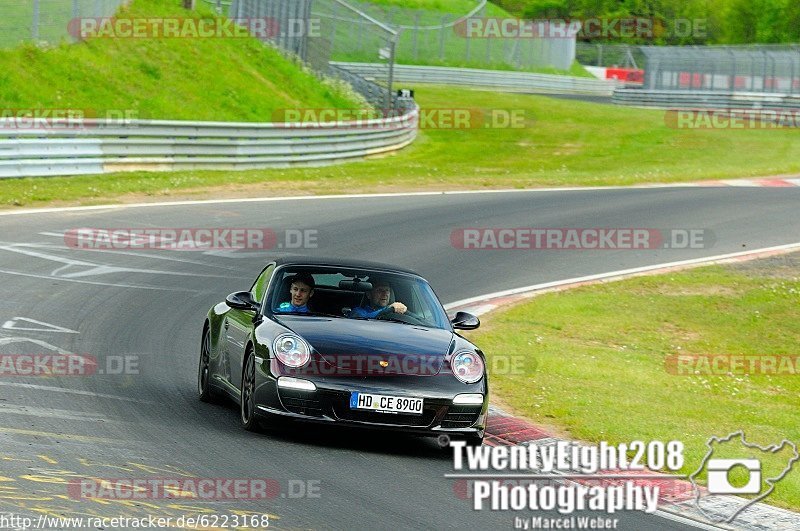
(396, 321)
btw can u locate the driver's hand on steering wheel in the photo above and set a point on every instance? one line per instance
(398, 307)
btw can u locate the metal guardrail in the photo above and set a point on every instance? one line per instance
(95, 146)
(682, 99)
(505, 80)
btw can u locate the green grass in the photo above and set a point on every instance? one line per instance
(563, 143)
(595, 359)
(191, 79)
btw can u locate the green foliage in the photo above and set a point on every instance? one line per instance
(720, 21)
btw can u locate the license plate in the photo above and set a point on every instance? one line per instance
(386, 403)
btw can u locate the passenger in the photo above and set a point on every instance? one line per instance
(378, 302)
(302, 289)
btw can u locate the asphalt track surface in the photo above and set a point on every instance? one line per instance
(151, 305)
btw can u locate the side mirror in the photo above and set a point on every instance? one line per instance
(242, 300)
(465, 321)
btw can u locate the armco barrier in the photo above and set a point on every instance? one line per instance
(505, 80)
(94, 146)
(686, 99)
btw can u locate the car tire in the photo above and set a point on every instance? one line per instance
(204, 388)
(247, 403)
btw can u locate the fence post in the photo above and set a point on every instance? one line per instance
(390, 77)
(308, 36)
(442, 31)
(333, 28)
(35, 21)
(416, 35)
(272, 21)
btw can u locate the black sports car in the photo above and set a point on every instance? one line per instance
(345, 342)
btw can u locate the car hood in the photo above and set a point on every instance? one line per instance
(362, 345)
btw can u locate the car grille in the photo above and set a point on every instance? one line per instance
(300, 402)
(425, 419)
(461, 416)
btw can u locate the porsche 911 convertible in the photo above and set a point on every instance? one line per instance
(345, 342)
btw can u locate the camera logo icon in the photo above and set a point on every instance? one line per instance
(719, 476)
(748, 474)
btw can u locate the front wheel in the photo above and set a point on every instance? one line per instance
(247, 403)
(204, 389)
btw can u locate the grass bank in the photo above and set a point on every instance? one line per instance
(562, 143)
(599, 361)
(229, 79)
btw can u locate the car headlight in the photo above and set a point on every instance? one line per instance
(467, 366)
(291, 350)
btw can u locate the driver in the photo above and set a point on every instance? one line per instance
(378, 302)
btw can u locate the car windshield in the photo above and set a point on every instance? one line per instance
(355, 294)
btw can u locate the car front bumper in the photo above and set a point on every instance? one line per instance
(330, 403)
